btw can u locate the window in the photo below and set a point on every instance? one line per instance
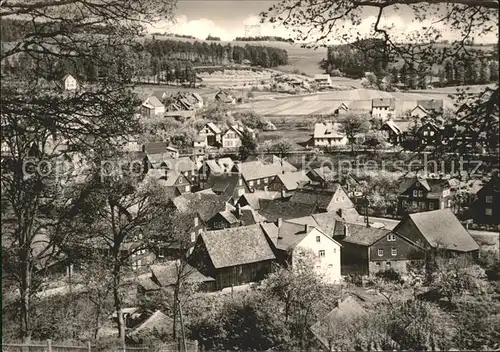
(240, 270)
(321, 253)
(335, 250)
(380, 252)
(241, 192)
(200, 231)
(449, 203)
(160, 253)
(415, 193)
(431, 133)
(258, 182)
(180, 180)
(196, 222)
(431, 206)
(377, 263)
(388, 264)
(193, 236)
(489, 199)
(265, 180)
(394, 251)
(391, 237)
(188, 188)
(240, 182)
(488, 211)
(318, 239)
(250, 183)
(330, 265)
(425, 133)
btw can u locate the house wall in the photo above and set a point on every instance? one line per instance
(217, 222)
(354, 259)
(410, 202)
(261, 184)
(340, 200)
(330, 142)
(401, 266)
(407, 228)
(70, 83)
(231, 139)
(486, 211)
(384, 113)
(329, 265)
(242, 274)
(418, 113)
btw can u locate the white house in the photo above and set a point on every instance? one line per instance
(327, 134)
(225, 97)
(152, 106)
(419, 111)
(323, 81)
(384, 108)
(69, 83)
(298, 242)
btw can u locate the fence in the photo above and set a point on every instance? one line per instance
(50, 347)
(47, 347)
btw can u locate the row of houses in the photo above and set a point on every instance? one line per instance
(182, 104)
(212, 136)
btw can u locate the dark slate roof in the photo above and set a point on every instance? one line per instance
(155, 147)
(434, 186)
(166, 274)
(237, 246)
(431, 105)
(183, 164)
(441, 228)
(317, 196)
(359, 234)
(282, 208)
(291, 180)
(253, 198)
(206, 205)
(225, 183)
(384, 102)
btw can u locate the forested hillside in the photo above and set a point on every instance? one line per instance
(170, 59)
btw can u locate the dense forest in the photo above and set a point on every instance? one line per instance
(263, 39)
(353, 60)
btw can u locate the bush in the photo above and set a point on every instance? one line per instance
(389, 275)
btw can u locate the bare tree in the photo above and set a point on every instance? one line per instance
(36, 117)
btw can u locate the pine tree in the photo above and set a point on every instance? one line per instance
(485, 74)
(494, 71)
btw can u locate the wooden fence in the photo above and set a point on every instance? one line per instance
(48, 346)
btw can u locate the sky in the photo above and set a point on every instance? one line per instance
(227, 19)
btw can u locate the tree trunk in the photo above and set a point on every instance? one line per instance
(174, 325)
(25, 290)
(118, 301)
(97, 321)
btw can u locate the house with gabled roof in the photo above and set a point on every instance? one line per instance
(231, 185)
(175, 183)
(329, 134)
(396, 131)
(368, 250)
(212, 135)
(418, 194)
(152, 106)
(322, 176)
(69, 83)
(258, 175)
(234, 217)
(288, 182)
(384, 108)
(431, 106)
(252, 199)
(485, 209)
(294, 242)
(274, 209)
(225, 97)
(326, 199)
(437, 230)
(184, 165)
(419, 111)
(429, 133)
(233, 256)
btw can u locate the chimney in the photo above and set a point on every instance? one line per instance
(339, 212)
(346, 230)
(280, 222)
(307, 228)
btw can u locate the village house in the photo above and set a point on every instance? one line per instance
(151, 107)
(419, 112)
(258, 175)
(342, 109)
(396, 132)
(326, 199)
(368, 250)
(231, 185)
(212, 135)
(322, 176)
(232, 137)
(485, 210)
(252, 199)
(419, 194)
(183, 165)
(233, 256)
(166, 275)
(224, 97)
(175, 183)
(69, 83)
(437, 230)
(294, 243)
(328, 134)
(384, 108)
(323, 81)
(287, 183)
(234, 217)
(428, 107)
(428, 133)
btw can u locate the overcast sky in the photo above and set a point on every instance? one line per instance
(227, 19)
